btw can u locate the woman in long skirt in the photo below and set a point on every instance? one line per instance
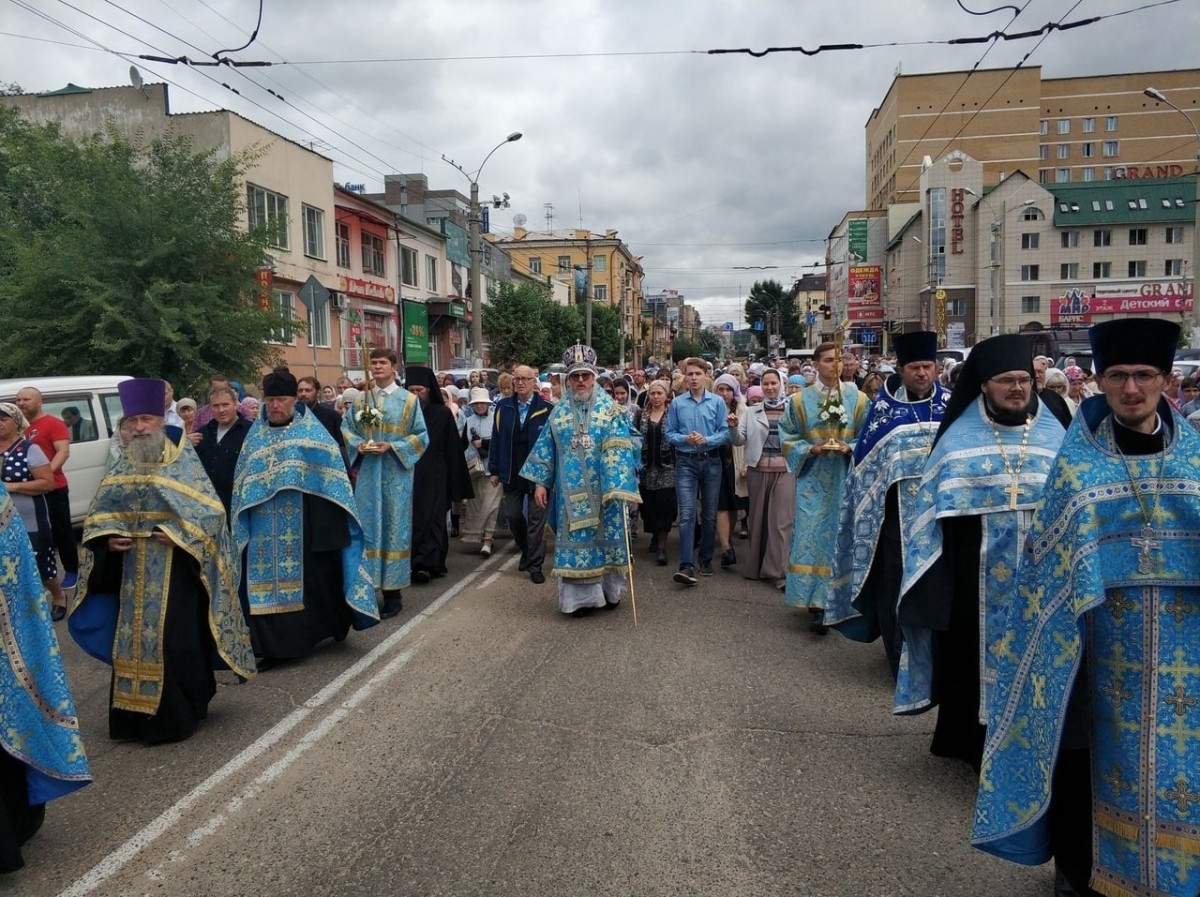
(657, 481)
(772, 488)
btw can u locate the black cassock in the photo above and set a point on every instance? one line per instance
(439, 479)
(326, 614)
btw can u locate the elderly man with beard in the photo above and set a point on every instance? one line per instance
(308, 391)
(296, 531)
(158, 599)
(586, 455)
(963, 543)
(880, 497)
(439, 479)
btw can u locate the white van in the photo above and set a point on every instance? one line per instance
(97, 408)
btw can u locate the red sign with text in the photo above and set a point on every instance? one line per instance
(863, 284)
(1078, 306)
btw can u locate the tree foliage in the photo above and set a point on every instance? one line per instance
(124, 257)
(776, 308)
(523, 325)
(606, 333)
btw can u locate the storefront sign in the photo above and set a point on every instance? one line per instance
(1078, 306)
(265, 281)
(857, 229)
(366, 289)
(863, 283)
(957, 206)
(416, 333)
(1133, 173)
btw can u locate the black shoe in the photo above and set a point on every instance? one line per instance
(705, 570)
(393, 603)
(421, 576)
(686, 575)
(262, 664)
(817, 624)
(662, 559)
(728, 558)
(523, 564)
(58, 612)
(454, 530)
(537, 576)
(653, 544)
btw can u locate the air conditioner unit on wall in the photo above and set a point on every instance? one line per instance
(337, 301)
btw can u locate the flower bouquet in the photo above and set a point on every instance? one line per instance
(832, 411)
(369, 417)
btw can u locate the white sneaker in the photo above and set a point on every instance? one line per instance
(486, 550)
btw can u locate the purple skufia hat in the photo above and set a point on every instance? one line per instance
(143, 396)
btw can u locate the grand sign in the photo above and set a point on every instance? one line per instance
(366, 289)
(1156, 297)
(1133, 173)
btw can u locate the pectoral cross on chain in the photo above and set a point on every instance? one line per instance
(1146, 543)
(1014, 490)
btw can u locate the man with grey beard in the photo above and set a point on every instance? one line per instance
(158, 595)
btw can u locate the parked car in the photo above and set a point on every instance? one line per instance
(98, 406)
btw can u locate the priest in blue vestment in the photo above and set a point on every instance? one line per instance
(385, 437)
(158, 600)
(1093, 752)
(817, 431)
(586, 457)
(880, 496)
(41, 752)
(962, 545)
(296, 532)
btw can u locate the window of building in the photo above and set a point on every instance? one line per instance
(1108, 173)
(937, 234)
(1111, 148)
(535, 264)
(564, 264)
(1044, 152)
(1029, 272)
(600, 292)
(1062, 175)
(1068, 271)
(600, 264)
(285, 306)
(318, 328)
(1087, 150)
(1088, 174)
(268, 210)
(1101, 238)
(1029, 241)
(314, 231)
(1137, 269)
(1137, 236)
(1031, 305)
(1089, 125)
(1064, 126)
(1063, 151)
(1108, 205)
(341, 239)
(1069, 239)
(1043, 127)
(431, 273)
(408, 267)
(1043, 175)
(1173, 268)
(1174, 236)
(1101, 270)
(372, 255)
(1110, 123)
(956, 308)
(1033, 213)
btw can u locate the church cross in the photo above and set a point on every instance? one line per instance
(1182, 796)
(1180, 701)
(1014, 490)
(1117, 782)
(1177, 609)
(1146, 543)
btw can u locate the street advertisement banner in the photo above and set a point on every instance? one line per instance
(863, 286)
(416, 333)
(1078, 306)
(857, 231)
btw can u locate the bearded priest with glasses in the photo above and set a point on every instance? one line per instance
(962, 543)
(1093, 753)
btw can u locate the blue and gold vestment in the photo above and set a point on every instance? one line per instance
(38, 725)
(964, 477)
(136, 501)
(820, 479)
(276, 468)
(891, 449)
(383, 488)
(1080, 592)
(591, 474)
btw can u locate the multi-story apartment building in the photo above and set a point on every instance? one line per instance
(1056, 130)
(600, 265)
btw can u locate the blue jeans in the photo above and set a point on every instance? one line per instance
(697, 474)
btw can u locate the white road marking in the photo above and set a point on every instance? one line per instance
(170, 817)
(504, 568)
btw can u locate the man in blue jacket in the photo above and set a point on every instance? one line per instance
(516, 426)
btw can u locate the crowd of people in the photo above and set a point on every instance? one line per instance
(1020, 539)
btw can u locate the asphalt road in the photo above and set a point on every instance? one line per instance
(481, 743)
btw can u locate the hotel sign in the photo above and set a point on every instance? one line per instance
(957, 207)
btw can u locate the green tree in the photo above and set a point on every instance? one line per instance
(122, 257)
(512, 322)
(606, 333)
(776, 308)
(564, 325)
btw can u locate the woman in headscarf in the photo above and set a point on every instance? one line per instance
(733, 497)
(772, 489)
(440, 478)
(795, 383)
(657, 479)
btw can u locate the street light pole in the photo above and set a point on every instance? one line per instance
(476, 237)
(1194, 337)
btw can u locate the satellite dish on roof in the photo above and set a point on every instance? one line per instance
(135, 77)
(519, 220)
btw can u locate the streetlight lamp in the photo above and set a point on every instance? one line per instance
(1194, 338)
(996, 260)
(477, 250)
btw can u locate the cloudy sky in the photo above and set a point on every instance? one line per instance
(716, 169)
